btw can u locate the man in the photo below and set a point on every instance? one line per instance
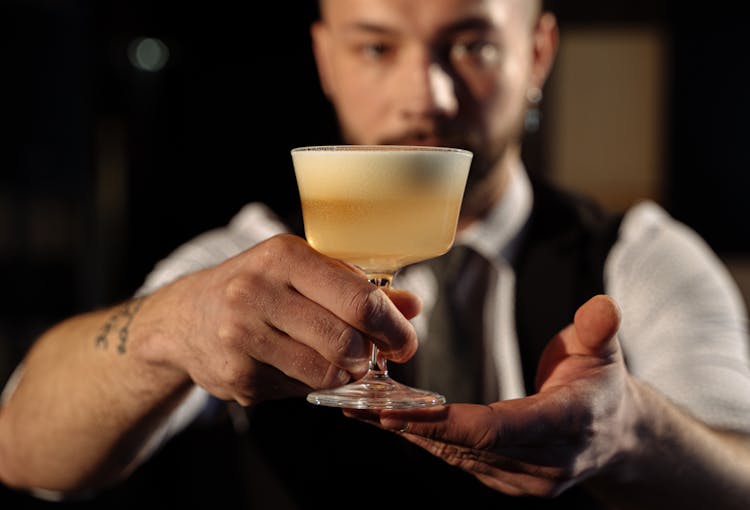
(637, 403)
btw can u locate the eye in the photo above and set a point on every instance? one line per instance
(480, 51)
(375, 50)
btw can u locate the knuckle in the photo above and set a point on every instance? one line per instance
(368, 306)
(230, 333)
(240, 335)
(276, 249)
(348, 341)
(238, 339)
(375, 315)
(240, 382)
(237, 289)
(241, 289)
(261, 343)
(234, 375)
(315, 371)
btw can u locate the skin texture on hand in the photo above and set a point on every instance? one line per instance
(579, 421)
(256, 329)
(271, 322)
(591, 422)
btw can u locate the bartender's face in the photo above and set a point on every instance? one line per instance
(440, 72)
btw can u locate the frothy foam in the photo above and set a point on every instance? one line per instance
(386, 173)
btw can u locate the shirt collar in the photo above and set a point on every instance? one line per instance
(499, 233)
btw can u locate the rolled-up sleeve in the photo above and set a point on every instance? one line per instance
(685, 328)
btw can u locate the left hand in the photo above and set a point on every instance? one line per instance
(578, 423)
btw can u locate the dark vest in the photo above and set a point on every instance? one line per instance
(296, 455)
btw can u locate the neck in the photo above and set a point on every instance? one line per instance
(484, 194)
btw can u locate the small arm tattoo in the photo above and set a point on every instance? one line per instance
(122, 318)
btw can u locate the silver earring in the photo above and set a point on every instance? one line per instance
(533, 115)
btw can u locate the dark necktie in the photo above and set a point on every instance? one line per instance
(455, 360)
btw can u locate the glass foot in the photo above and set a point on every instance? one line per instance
(376, 391)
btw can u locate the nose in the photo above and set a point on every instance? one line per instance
(430, 91)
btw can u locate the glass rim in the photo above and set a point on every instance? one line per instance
(374, 147)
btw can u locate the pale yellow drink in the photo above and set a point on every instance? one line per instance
(381, 209)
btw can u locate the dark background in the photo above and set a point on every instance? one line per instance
(106, 168)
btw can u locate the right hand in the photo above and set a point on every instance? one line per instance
(275, 321)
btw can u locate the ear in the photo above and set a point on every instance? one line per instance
(321, 39)
(546, 41)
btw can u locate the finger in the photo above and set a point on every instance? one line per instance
(246, 383)
(591, 334)
(272, 322)
(314, 326)
(294, 359)
(367, 415)
(275, 384)
(500, 472)
(553, 455)
(445, 423)
(535, 420)
(344, 292)
(554, 352)
(306, 365)
(407, 303)
(596, 323)
(539, 481)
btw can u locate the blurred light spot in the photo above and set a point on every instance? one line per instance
(148, 54)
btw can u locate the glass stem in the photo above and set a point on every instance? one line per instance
(378, 367)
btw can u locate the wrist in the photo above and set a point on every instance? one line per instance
(155, 338)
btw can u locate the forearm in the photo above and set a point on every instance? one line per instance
(676, 461)
(87, 401)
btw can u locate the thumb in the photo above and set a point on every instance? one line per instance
(596, 322)
(591, 334)
(408, 304)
